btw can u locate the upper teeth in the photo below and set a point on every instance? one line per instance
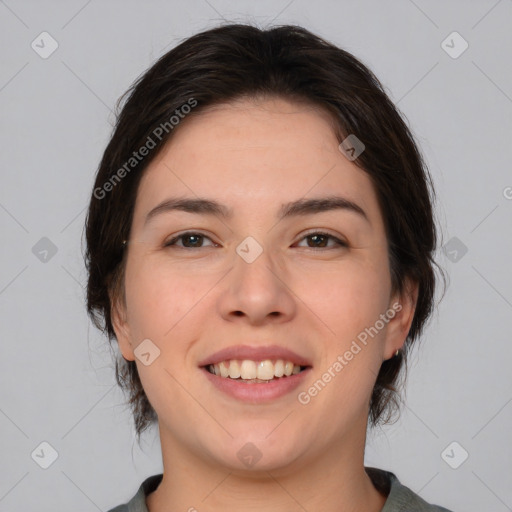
(248, 369)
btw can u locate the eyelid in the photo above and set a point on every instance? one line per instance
(174, 238)
(318, 231)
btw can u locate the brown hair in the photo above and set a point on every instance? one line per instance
(235, 61)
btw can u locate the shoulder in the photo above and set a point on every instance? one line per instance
(400, 498)
(138, 502)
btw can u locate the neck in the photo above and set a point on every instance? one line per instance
(334, 481)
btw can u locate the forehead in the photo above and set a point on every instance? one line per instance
(249, 127)
(255, 152)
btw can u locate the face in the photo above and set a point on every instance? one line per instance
(261, 275)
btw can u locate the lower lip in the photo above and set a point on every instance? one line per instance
(257, 392)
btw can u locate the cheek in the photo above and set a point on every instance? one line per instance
(350, 298)
(157, 297)
(349, 302)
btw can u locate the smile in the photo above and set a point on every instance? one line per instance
(255, 371)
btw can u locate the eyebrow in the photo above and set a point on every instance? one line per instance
(301, 207)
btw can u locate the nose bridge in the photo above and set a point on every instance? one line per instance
(256, 289)
(254, 268)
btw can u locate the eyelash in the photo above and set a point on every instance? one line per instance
(173, 241)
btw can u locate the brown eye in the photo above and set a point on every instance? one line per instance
(189, 240)
(320, 240)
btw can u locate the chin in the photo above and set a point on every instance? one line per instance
(254, 454)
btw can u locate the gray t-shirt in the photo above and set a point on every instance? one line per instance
(400, 498)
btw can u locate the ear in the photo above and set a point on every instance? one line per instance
(404, 306)
(120, 324)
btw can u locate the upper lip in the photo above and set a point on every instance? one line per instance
(260, 353)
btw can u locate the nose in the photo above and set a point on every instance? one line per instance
(258, 292)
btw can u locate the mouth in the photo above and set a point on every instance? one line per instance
(256, 374)
(255, 371)
(256, 381)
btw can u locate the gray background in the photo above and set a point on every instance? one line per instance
(56, 372)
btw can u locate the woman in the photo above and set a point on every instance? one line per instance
(260, 243)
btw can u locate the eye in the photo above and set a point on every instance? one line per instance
(190, 240)
(193, 240)
(320, 240)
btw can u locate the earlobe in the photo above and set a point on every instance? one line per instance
(404, 306)
(122, 330)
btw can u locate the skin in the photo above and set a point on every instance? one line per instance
(311, 297)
